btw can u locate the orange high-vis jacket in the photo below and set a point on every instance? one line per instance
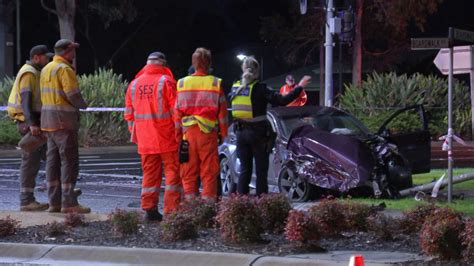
(149, 104)
(201, 101)
(300, 101)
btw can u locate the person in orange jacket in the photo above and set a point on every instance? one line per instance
(149, 104)
(201, 119)
(289, 86)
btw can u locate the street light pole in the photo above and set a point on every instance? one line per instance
(328, 86)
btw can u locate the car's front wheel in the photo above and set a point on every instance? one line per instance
(227, 182)
(293, 186)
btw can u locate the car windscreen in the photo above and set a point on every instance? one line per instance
(336, 122)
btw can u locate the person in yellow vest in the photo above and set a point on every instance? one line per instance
(62, 100)
(24, 107)
(249, 99)
(201, 118)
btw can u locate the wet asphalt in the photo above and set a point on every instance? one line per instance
(108, 181)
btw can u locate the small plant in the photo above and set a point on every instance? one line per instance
(178, 226)
(440, 234)
(202, 212)
(414, 218)
(382, 226)
(124, 222)
(467, 238)
(8, 226)
(301, 228)
(239, 219)
(274, 210)
(74, 219)
(55, 229)
(329, 216)
(355, 215)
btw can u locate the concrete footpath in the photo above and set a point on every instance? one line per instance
(15, 253)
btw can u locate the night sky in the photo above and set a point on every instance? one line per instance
(176, 28)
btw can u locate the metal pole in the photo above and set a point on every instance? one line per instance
(340, 66)
(471, 48)
(328, 96)
(18, 46)
(450, 118)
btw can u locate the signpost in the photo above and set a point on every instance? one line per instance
(446, 61)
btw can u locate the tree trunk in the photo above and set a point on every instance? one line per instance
(66, 10)
(357, 46)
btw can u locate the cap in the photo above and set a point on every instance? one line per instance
(64, 44)
(157, 56)
(40, 50)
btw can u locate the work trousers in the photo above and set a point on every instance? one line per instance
(152, 165)
(252, 143)
(62, 167)
(30, 165)
(203, 162)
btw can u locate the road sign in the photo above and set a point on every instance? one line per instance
(429, 43)
(463, 35)
(463, 60)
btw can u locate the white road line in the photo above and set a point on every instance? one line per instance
(108, 195)
(111, 159)
(100, 164)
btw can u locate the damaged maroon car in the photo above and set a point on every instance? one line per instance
(318, 150)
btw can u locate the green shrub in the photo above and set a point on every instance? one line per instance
(178, 226)
(301, 228)
(8, 226)
(103, 88)
(441, 234)
(381, 94)
(124, 222)
(8, 131)
(239, 219)
(202, 212)
(5, 88)
(274, 210)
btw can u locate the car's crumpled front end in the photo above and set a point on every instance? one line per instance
(343, 162)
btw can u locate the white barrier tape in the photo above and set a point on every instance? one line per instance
(89, 109)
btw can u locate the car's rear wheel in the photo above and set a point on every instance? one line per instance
(227, 182)
(293, 186)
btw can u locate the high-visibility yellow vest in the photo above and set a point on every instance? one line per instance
(14, 109)
(198, 98)
(242, 101)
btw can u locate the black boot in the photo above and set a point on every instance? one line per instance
(153, 215)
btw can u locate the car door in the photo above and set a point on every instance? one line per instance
(408, 129)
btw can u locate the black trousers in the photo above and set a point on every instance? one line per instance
(252, 143)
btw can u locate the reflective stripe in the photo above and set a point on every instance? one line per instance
(198, 99)
(65, 108)
(130, 123)
(26, 89)
(17, 106)
(72, 92)
(55, 91)
(215, 82)
(241, 107)
(53, 183)
(173, 187)
(180, 83)
(190, 196)
(134, 86)
(128, 110)
(27, 190)
(159, 94)
(152, 116)
(188, 121)
(150, 189)
(66, 186)
(56, 69)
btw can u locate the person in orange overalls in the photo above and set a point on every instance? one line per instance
(289, 86)
(149, 104)
(201, 119)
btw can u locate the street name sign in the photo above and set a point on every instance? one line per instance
(463, 60)
(429, 43)
(463, 35)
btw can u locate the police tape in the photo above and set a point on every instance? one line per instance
(89, 109)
